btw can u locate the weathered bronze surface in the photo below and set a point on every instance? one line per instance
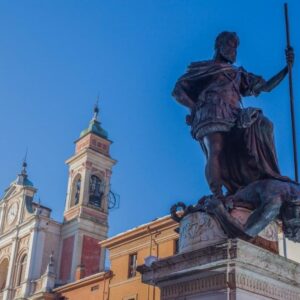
(238, 143)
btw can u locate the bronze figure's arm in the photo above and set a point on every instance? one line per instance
(181, 96)
(276, 79)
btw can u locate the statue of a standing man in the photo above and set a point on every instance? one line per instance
(238, 143)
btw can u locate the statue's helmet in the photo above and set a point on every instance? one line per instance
(226, 45)
(291, 219)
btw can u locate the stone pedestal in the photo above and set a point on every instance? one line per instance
(231, 269)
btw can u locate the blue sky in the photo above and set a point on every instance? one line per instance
(55, 56)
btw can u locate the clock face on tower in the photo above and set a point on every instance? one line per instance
(12, 213)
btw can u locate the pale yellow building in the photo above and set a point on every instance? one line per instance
(130, 248)
(93, 287)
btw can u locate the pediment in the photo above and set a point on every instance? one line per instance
(9, 192)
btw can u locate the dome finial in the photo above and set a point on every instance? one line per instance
(96, 109)
(22, 178)
(95, 124)
(24, 164)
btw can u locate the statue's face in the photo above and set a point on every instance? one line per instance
(228, 50)
(226, 46)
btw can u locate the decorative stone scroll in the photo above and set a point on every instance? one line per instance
(5, 251)
(198, 230)
(24, 242)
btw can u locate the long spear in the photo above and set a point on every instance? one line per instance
(287, 28)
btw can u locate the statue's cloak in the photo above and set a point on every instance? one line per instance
(201, 69)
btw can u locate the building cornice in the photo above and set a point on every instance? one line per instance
(84, 281)
(140, 231)
(84, 152)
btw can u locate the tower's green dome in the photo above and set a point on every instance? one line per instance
(95, 126)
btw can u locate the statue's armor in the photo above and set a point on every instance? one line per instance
(218, 102)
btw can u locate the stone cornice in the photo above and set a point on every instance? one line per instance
(242, 281)
(239, 253)
(91, 152)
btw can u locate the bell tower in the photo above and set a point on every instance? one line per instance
(86, 210)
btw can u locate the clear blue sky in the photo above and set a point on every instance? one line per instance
(56, 55)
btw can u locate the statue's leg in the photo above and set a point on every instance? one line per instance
(263, 215)
(214, 144)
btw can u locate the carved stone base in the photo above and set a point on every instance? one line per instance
(199, 230)
(233, 269)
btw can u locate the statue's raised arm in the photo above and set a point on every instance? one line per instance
(269, 85)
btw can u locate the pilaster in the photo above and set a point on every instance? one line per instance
(2, 217)
(7, 294)
(85, 185)
(35, 254)
(76, 254)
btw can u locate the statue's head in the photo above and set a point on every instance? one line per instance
(291, 218)
(226, 46)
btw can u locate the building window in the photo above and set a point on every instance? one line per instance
(77, 188)
(3, 273)
(176, 246)
(21, 270)
(96, 191)
(95, 288)
(132, 265)
(135, 297)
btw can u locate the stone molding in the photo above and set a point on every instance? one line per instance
(235, 264)
(219, 282)
(265, 288)
(194, 286)
(5, 252)
(24, 242)
(234, 251)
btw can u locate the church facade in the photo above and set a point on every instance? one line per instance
(29, 241)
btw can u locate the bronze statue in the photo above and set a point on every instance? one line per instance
(238, 142)
(269, 200)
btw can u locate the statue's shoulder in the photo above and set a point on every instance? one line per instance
(199, 64)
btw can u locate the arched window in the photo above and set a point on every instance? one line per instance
(96, 191)
(21, 269)
(3, 273)
(77, 187)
